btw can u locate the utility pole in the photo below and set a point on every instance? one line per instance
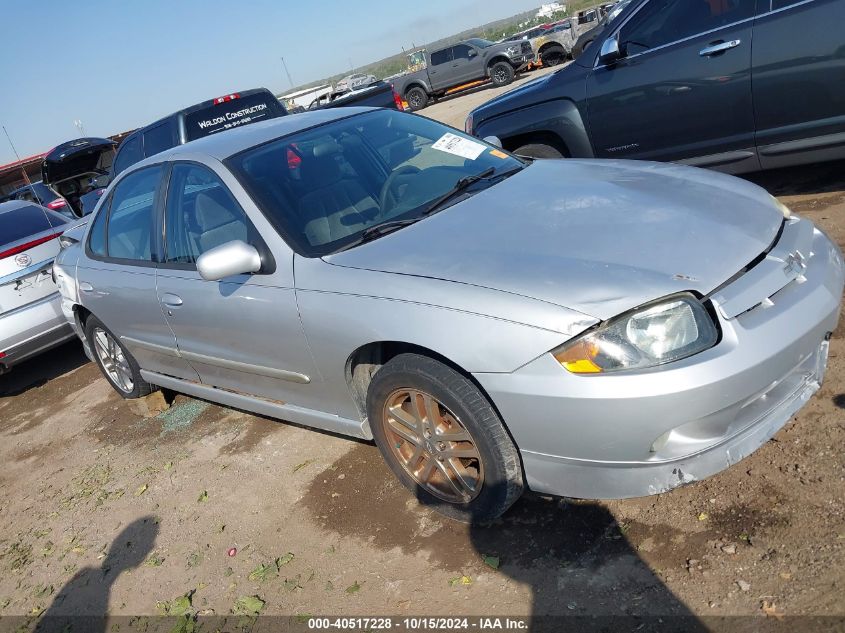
(287, 72)
(14, 149)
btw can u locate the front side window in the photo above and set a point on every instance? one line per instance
(461, 51)
(129, 232)
(661, 22)
(324, 188)
(201, 214)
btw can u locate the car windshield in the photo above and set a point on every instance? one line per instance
(480, 43)
(323, 188)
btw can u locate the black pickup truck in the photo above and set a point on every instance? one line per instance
(677, 80)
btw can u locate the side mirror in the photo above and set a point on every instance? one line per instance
(232, 258)
(610, 50)
(493, 140)
(472, 53)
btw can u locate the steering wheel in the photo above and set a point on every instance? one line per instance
(390, 184)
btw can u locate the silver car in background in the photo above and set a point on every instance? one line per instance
(31, 319)
(595, 329)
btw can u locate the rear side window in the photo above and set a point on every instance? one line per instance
(128, 154)
(232, 113)
(201, 214)
(129, 233)
(97, 235)
(158, 138)
(661, 22)
(25, 221)
(441, 57)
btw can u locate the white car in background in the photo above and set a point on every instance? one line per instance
(355, 82)
(31, 319)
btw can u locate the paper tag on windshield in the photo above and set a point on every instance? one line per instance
(459, 146)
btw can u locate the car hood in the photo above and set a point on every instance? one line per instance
(599, 237)
(77, 158)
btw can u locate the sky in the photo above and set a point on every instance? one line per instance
(118, 65)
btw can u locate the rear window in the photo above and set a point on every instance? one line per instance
(231, 114)
(25, 221)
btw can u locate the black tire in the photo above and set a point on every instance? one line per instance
(463, 406)
(552, 56)
(539, 150)
(417, 98)
(501, 74)
(139, 387)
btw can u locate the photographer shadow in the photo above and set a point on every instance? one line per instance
(583, 573)
(83, 603)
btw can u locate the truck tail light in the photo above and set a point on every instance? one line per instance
(226, 98)
(397, 100)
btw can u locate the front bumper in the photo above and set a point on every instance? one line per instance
(32, 329)
(644, 432)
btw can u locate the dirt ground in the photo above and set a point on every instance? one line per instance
(105, 509)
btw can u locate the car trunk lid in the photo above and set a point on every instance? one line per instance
(28, 245)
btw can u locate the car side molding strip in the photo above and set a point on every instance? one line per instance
(152, 347)
(281, 411)
(247, 368)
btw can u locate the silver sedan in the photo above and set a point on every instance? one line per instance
(597, 329)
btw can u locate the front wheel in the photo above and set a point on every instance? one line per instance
(501, 74)
(442, 439)
(115, 361)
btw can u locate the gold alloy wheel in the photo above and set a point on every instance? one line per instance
(433, 446)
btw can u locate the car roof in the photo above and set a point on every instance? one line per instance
(222, 145)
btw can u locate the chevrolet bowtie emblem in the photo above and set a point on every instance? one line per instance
(795, 264)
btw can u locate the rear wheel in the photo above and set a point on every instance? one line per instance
(501, 74)
(417, 98)
(538, 150)
(443, 439)
(115, 361)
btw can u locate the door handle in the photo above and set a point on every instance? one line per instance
(84, 286)
(171, 300)
(718, 47)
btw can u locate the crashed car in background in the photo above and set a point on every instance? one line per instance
(78, 172)
(31, 319)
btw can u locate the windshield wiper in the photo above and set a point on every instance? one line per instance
(377, 230)
(461, 185)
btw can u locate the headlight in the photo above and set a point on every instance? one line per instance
(660, 333)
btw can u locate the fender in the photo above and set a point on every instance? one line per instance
(559, 117)
(403, 88)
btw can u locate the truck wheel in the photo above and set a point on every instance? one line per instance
(538, 150)
(442, 439)
(416, 98)
(501, 74)
(553, 56)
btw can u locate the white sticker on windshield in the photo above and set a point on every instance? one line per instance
(459, 146)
